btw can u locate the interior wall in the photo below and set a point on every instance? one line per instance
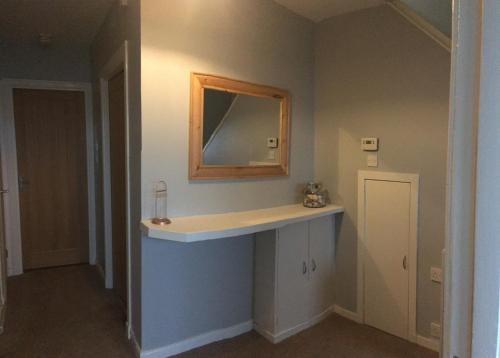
(379, 76)
(122, 23)
(437, 13)
(22, 61)
(255, 41)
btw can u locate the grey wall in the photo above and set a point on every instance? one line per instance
(256, 41)
(437, 12)
(378, 75)
(56, 63)
(122, 23)
(191, 289)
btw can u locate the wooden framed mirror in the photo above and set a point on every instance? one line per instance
(237, 129)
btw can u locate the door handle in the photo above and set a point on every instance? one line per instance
(4, 191)
(404, 262)
(313, 265)
(304, 267)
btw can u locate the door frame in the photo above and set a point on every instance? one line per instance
(117, 63)
(413, 180)
(9, 164)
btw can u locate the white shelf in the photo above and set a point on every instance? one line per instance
(219, 226)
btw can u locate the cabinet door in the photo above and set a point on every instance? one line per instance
(321, 238)
(293, 271)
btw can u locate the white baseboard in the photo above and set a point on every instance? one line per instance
(137, 347)
(198, 341)
(101, 271)
(430, 343)
(276, 338)
(353, 316)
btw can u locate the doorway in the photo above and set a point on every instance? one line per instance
(47, 136)
(387, 251)
(52, 180)
(117, 153)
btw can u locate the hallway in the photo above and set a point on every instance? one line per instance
(63, 312)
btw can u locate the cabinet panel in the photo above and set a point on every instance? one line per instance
(321, 258)
(293, 273)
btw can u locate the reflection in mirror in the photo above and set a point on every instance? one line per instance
(240, 129)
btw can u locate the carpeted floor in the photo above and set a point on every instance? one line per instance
(66, 313)
(63, 313)
(335, 337)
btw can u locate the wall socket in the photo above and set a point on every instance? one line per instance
(436, 274)
(435, 330)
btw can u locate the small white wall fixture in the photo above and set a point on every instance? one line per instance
(9, 165)
(118, 62)
(413, 180)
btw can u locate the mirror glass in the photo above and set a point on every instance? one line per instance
(240, 129)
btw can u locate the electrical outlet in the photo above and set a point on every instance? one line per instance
(435, 330)
(436, 274)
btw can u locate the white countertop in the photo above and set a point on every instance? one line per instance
(218, 226)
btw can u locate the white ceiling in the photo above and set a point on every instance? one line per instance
(70, 22)
(317, 10)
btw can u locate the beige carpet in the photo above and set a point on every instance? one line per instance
(66, 313)
(335, 337)
(63, 312)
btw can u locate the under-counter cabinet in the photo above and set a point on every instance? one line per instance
(293, 277)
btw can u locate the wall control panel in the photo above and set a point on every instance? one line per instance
(369, 144)
(272, 142)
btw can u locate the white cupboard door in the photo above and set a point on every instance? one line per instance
(293, 271)
(387, 230)
(320, 257)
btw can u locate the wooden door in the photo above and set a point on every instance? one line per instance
(320, 258)
(51, 159)
(387, 235)
(116, 95)
(293, 276)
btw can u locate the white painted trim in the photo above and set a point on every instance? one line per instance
(278, 337)
(430, 30)
(430, 343)
(350, 315)
(9, 165)
(413, 180)
(198, 341)
(117, 62)
(135, 344)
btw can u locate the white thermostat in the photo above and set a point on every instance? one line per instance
(272, 142)
(369, 144)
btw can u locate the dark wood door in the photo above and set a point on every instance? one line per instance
(51, 159)
(116, 95)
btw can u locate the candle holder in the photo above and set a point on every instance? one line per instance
(160, 193)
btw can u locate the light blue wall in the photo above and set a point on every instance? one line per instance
(437, 12)
(191, 289)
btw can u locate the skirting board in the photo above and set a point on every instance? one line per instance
(276, 338)
(429, 343)
(198, 341)
(353, 316)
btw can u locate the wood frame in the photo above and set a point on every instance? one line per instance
(117, 63)
(9, 165)
(413, 180)
(197, 170)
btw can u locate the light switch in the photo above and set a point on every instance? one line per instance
(271, 154)
(272, 142)
(372, 160)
